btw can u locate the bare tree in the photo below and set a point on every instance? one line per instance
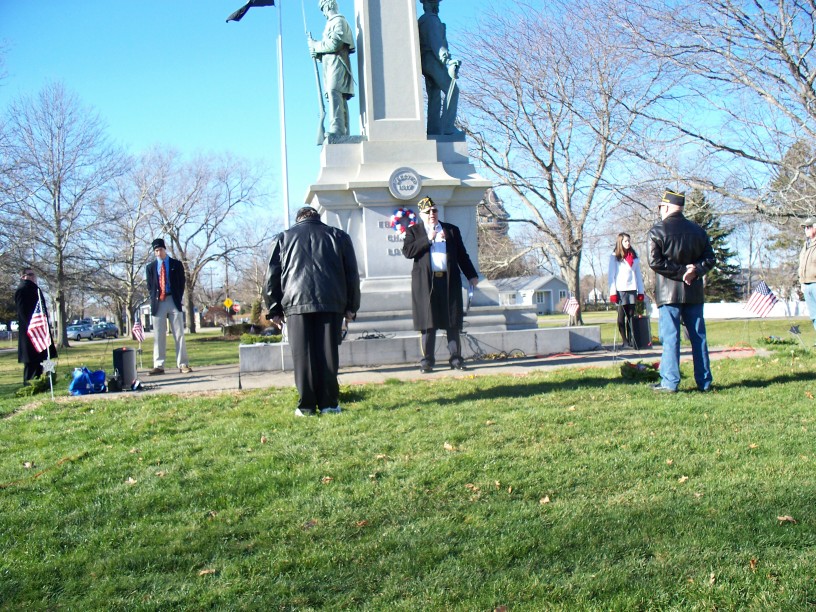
(122, 250)
(551, 100)
(202, 207)
(743, 95)
(58, 166)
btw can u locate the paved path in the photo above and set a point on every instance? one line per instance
(225, 378)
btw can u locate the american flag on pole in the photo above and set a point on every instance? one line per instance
(762, 300)
(571, 306)
(137, 331)
(38, 331)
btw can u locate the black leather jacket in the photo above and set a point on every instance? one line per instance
(674, 243)
(312, 268)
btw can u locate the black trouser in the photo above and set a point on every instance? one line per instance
(440, 313)
(428, 345)
(625, 314)
(314, 339)
(32, 369)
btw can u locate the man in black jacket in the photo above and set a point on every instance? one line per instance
(312, 281)
(165, 284)
(436, 286)
(680, 253)
(26, 297)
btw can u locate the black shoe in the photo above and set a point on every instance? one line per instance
(457, 364)
(659, 388)
(425, 367)
(709, 390)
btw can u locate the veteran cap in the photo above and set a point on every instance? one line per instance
(808, 222)
(158, 243)
(672, 197)
(425, 204)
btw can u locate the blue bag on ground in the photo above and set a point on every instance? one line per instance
(86, 382)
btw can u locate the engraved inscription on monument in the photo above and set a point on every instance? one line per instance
(404, 183)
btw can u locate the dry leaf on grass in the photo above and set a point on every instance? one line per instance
(133, 451)
(808, 395)
(571, 408)
(131, 480)
(544, 500)
(682, 479)
(381, 457)
(326, 479)
(263, 439)
(206, 572)
(712, 578)
(472, 487)
(669, 461)
(28, 465)
(753, 446)
(490, 422)
(753, 564)
(450, 447)
(786, 519)
(362, 523)
(309, 524)
(500, 609)
(161, 473)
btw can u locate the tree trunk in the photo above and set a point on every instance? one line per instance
(191, 324)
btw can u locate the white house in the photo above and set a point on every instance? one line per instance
(543, 292)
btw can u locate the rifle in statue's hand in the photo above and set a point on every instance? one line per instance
(321, 134)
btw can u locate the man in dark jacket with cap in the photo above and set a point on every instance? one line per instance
(312, 281)
(165, 284)
(436, 286)
(680, 253)
(26, 297)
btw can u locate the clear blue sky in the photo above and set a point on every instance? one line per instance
(173, 73)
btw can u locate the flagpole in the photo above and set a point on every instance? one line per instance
(282, 113)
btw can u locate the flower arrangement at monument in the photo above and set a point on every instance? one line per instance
(402, 219)
(640, 372)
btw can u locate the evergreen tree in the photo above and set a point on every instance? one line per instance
(721, 282)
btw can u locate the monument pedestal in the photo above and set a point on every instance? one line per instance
(362, 185)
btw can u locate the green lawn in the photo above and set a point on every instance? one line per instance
(565, 490)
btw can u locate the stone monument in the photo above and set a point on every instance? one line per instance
(369, 187)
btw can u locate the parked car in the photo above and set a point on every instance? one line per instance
(78, 332)
(105, 330)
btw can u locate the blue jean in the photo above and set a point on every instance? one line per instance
(810, 299)
(669, 326)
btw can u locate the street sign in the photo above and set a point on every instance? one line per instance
(227, 303)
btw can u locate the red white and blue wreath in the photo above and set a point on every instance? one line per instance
(398, 223)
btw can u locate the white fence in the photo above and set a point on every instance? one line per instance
(725, 310)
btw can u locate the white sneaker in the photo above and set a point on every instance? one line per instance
(305, 412)
(335, 410)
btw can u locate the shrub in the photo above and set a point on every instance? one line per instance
(255, 339)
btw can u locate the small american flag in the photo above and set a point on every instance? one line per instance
(762, 300)
(38, 331)
(137, 331)
(571, 306)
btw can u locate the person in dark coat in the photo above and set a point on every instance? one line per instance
(436, 286)
(165, 284)
(312, 280)
(26, 297)
(680, 253)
